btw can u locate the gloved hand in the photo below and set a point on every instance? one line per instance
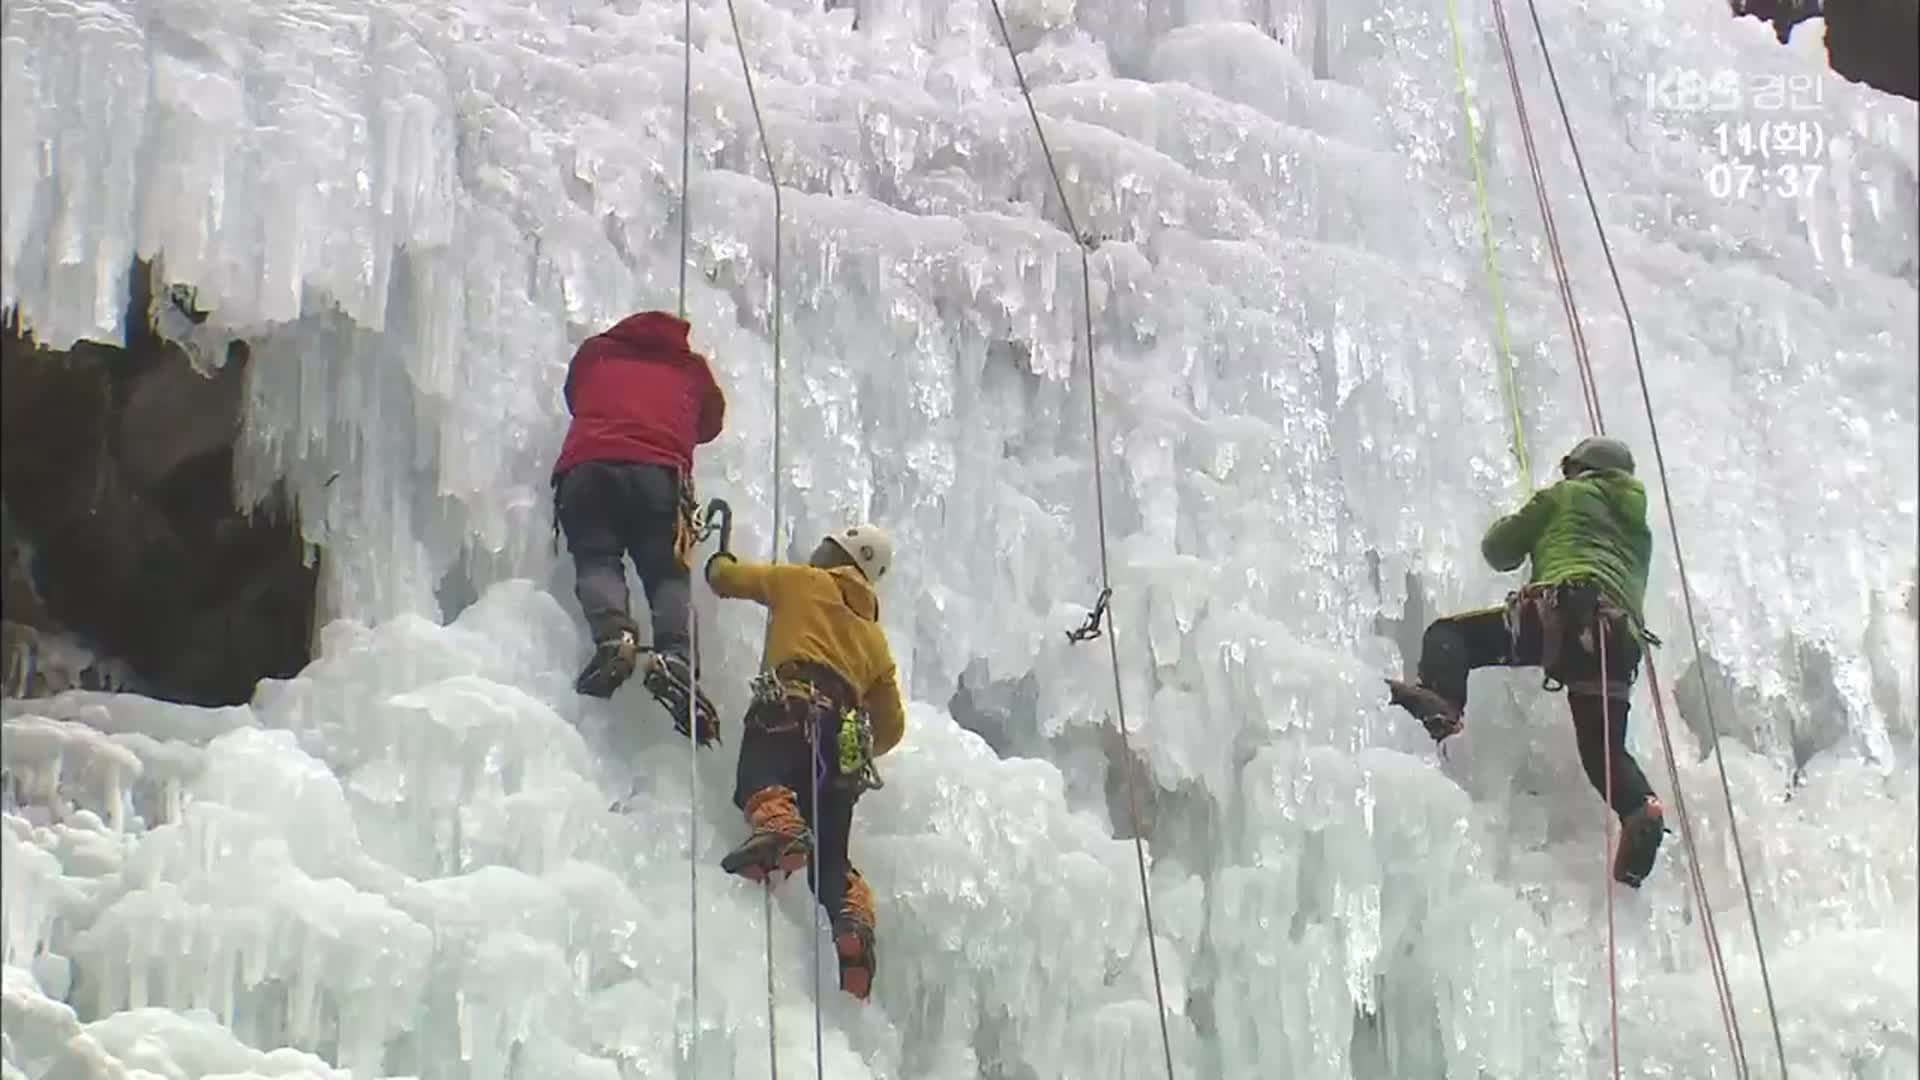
(707, 571)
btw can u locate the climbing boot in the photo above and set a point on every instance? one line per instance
(1440, 716)
(612, 664)
(780, 842)
(853, 937)
(1640, 835)
(669, 679)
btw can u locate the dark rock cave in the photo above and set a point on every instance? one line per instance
(116, 479)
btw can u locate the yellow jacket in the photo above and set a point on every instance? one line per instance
(827, 617)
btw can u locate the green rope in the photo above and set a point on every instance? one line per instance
(1509, 385)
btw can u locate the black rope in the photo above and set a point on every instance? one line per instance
(1673, 527)
(1102, 607)
(813, 886)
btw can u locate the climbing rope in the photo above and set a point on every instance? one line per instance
(813, 878)
(686, 142)
(1673, 526)
(1102, 606)
(814, 767)
(773, 1034)
(1716, 959)
(693, 614)
(1589, 388)
(1607, 846)
(1594, 418)
(1567, 303)
(1509, 384)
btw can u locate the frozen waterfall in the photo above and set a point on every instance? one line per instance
(402, 862)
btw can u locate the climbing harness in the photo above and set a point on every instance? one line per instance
(1589, 389)
(806, 699)
(1103, 610)
(1552, 607)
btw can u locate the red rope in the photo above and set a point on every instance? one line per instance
(1565, 284)
(1679, 557)
(1716, 960)
(1590, 393)
(1606, 864)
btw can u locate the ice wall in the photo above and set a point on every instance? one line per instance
(412, 212)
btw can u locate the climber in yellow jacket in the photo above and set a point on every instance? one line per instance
(827, 706)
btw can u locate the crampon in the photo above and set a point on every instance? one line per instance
(1434, 712)
(668, 678)
(769, 852)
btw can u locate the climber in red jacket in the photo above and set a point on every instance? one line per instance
(641, 399)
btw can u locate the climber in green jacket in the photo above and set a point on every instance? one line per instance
(1587, 539)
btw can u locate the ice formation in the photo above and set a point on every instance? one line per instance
(402, 863)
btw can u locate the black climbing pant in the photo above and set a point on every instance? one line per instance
(775, 751)
(1457, 644)
(611, 509)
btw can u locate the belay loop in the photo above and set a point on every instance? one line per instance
(1090, 629)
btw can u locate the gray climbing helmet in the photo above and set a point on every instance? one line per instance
(1596, 453)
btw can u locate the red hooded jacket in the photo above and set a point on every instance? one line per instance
(637, 393)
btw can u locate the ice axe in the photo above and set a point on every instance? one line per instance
(718, 517)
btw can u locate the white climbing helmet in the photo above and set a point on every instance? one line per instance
(870, 548)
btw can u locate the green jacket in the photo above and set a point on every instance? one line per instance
(1591, 528)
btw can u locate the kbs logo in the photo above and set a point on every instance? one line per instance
(1688, 90)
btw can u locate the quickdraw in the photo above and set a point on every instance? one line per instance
(856, 751)
(1090, 628)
